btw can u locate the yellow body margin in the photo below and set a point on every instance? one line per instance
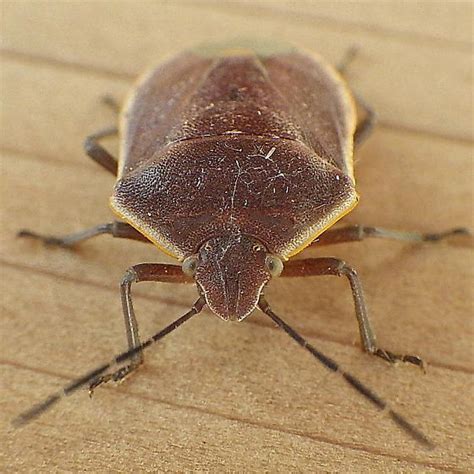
(350, 114)
(153, 240)
(348, 149)
(318, 232)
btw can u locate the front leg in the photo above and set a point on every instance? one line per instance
(336, 267)
(142, 272)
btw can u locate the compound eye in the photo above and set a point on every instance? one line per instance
(274, 265)
(189, 265)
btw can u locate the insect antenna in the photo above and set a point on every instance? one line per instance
(330, 364)
(46, 404)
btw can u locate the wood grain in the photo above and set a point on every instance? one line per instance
(236, 397)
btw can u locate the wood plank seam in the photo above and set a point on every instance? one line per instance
(295, 17)
(125, 391)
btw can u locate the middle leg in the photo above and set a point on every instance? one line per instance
(356, 233)
(336, 267)
(116, 229)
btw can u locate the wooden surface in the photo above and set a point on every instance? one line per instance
(236, 397)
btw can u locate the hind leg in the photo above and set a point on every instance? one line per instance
(365, 126)
(98, 153)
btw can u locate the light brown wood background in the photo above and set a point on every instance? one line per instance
(236, 397)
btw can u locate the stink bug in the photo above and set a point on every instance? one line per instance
(233, 161)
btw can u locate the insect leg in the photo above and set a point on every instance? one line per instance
(75, 385)
(364, 127)
(355, 233)
(336, 267)
(98, 153)
(117, 229)
(138, 273)
(111, 103)
(333, 366)
(349, 55)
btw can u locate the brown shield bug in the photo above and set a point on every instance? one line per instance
(233, 161)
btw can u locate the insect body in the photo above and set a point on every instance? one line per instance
(228, 159)
(232, 161)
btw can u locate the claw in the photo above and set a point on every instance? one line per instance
(448, 233)
(47, 240)
(415, 360)
(119, 376)
(393, 358)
